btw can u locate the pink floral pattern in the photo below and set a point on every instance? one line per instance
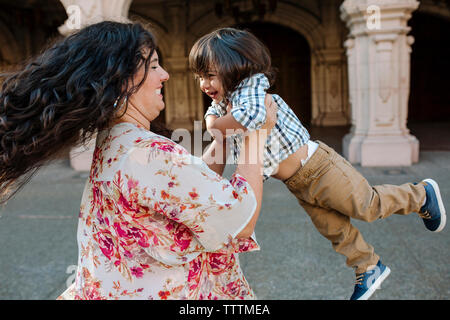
(157, 223)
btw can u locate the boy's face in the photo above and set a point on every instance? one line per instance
(211, 84)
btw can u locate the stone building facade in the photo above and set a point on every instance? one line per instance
(340, 62)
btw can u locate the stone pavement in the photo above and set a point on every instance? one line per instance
(39, 249)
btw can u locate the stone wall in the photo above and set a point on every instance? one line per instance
(359, 74)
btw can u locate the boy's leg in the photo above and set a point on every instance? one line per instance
(336, 184)
(333, 225)
(328, 185)
(344, 237)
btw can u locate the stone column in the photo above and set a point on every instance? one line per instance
(178, 109)
(330, 78)
(329, 71)
(82, 13)
(378, 51)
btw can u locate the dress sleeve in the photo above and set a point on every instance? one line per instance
(208, 209)
(247, 102)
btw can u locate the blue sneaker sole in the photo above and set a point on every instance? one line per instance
(375, 285)
(441, 204)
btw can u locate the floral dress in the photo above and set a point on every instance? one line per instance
(156, 223)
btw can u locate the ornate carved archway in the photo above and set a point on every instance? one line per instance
(328, 71)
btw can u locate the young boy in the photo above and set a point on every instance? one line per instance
(234, 69)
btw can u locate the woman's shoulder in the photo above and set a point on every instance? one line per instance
(135, 136)
(116, 145)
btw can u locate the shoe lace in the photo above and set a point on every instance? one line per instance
(359, 279)
(425, 215)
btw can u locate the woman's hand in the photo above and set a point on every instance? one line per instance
(229, 107)
(271, 113)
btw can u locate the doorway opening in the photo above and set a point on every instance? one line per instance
(429, 99)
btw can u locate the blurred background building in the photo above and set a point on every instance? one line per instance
(370, 74)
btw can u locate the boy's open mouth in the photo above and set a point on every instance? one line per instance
(212, 94)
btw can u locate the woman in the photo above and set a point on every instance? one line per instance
(154, 221)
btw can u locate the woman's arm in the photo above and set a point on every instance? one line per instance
(250, 163)
(251, 157)
(215, 156)
(251, 170)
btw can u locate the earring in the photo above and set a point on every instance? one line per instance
(123, 103)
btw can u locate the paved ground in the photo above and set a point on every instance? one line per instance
(38, 241)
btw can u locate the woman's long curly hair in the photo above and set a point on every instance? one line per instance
(65, 95)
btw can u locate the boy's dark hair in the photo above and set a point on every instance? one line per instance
(235, 54)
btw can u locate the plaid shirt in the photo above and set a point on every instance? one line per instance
(248, 108)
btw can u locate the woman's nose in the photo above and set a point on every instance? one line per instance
(165, 76)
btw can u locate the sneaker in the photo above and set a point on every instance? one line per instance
(433, 211)
(369, 281)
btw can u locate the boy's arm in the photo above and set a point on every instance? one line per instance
(209, 120)
(214, 112)
(221, 124)
(218, 127)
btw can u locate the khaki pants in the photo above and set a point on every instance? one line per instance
(332, 191)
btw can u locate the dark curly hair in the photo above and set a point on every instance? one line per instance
(235, 54)
(65, 95)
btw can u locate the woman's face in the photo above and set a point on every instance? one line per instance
(148, 100)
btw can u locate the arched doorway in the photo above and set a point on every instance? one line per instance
(291, 56)
(429, 100)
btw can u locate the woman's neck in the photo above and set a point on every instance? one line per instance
(133, 115)
(131, 119)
